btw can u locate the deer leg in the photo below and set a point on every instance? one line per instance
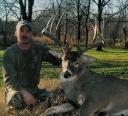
(88, 109)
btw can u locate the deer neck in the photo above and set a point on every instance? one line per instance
(84, 72)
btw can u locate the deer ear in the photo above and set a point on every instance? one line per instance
(86, 58)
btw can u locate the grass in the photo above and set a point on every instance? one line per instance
(110, 61)
(49, 71)
(110, 54)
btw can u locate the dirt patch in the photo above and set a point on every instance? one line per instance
(3, 109)
(2, 99)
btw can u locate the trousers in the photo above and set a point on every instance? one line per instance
(17, 101)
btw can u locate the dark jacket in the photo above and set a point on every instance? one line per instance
(22, 69)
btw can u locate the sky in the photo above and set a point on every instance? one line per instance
(43, 4)
(39, 4)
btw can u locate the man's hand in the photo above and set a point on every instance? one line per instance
(28, 97)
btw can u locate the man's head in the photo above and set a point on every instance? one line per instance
(24, 34)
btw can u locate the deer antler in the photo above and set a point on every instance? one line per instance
(59, 22)
(97, 39)
(47, 26)
(48, 33)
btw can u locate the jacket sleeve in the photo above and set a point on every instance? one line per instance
(9, 72)
(50, 56)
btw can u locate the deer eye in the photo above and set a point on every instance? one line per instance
(76, 64)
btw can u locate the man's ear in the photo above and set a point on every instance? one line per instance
(15, 33)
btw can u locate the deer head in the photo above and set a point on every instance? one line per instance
(72, 61)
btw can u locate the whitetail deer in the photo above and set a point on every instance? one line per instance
(95, 94)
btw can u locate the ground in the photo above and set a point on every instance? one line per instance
(50, 84)
(2, 100)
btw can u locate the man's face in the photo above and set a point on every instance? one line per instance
(24, 36)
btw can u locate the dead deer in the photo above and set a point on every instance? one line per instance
(96, 95)
(93, 94)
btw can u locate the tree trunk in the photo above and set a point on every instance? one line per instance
(125, 38)
(86, 23)
(5, 40)
(78, 35)
(66, 29)
(79, 24)
(99, 33)
(23, 9)
(86, 44)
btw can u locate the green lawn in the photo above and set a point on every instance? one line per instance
(108, 62)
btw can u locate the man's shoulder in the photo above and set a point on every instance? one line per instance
(11, 49)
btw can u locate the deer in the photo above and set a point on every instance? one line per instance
(96, 95)
(91, 93)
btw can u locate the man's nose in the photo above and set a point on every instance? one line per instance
(24, 32)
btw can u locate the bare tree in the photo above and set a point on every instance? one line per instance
(24, 6)
(78, 11)
(57, 6)
(87, 21)
(3, 24)
(100, 4)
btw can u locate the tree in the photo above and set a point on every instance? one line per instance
(78, 13)
(57, 6)
(26, 8)
(4, 23)
(87, 21)
(100, 4)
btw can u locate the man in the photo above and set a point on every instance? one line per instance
(21, 68)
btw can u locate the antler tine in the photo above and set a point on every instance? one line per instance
(47, 26)
(49, 34)
(95, 32)
(96, 40)
(58, 24)
(91, 46)
(52, 23)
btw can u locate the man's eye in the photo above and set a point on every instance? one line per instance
(21, 30)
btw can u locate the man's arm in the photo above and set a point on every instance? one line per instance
(12, 84)
(9, 72)
(10, 76)
(50, 56)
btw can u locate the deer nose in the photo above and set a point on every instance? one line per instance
(67, 74)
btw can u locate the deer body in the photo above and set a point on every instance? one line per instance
(94, 93)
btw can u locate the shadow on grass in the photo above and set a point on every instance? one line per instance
(107, 64)
(119, 52)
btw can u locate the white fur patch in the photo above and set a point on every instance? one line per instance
(81, 99)
(59, 109)
(65, 65)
